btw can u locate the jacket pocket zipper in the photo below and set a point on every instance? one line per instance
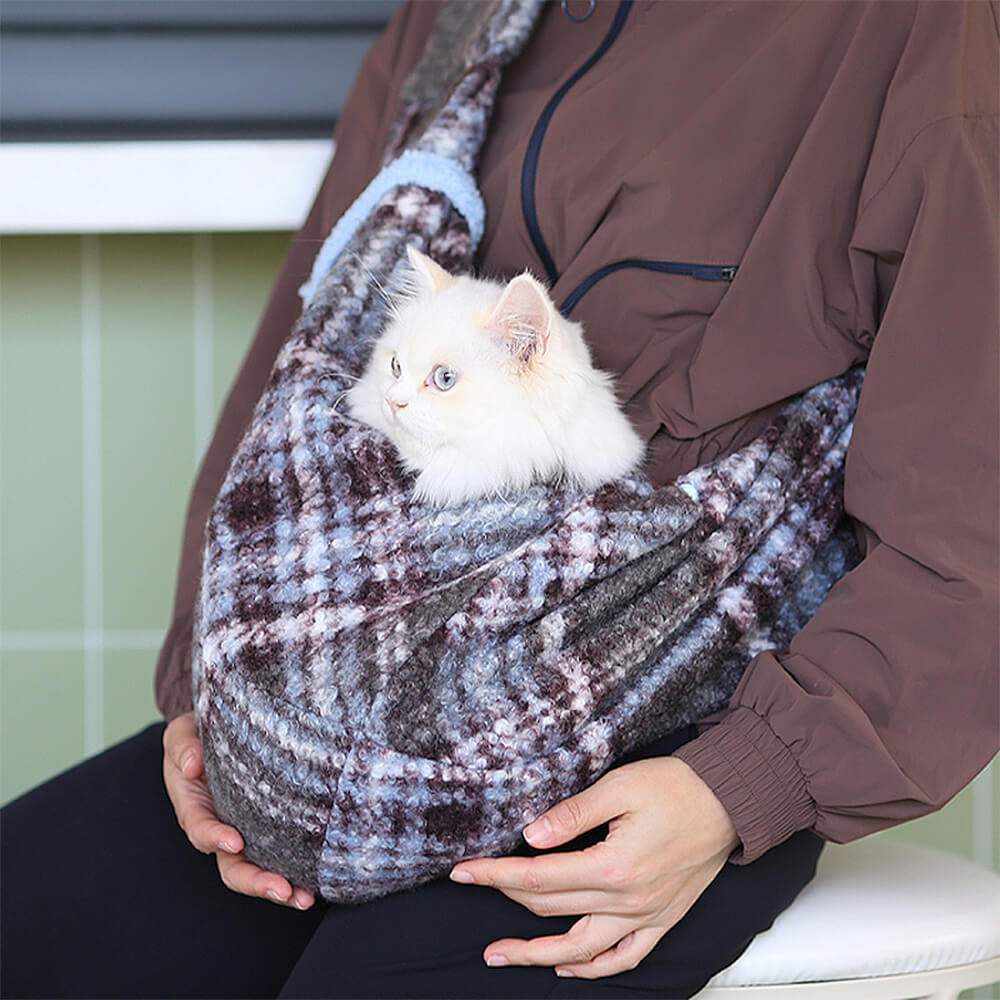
(529, 169)
(702, 272)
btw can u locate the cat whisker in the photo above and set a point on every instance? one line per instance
(346, 417)
(343, 416)
(373, 278)
(335, 408)
(337, 373)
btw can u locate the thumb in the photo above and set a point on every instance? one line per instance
(599, 803)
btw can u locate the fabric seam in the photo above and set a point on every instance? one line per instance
(902, 156)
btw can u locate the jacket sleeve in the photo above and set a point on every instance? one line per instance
(361, 137)
(887, 703)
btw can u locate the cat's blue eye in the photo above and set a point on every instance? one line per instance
(394, 365)
(443, 378)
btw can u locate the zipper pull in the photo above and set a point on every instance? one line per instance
(710, 272)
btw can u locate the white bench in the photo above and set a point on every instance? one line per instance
(882, 920)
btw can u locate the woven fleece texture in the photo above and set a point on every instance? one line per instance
(383, 688)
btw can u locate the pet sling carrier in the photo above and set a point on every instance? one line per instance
(383, 688)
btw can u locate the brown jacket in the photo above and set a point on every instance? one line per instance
(842, 158)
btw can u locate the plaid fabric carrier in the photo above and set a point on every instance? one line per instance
(383, 688)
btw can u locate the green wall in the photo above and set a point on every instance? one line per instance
(115, 353)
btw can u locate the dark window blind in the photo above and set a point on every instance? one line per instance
(142, 69)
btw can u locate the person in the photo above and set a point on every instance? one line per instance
(833, 168)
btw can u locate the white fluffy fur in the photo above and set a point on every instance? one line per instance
(527, 405)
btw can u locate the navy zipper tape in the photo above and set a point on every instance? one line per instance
(703, 272)
(529, 172)
(530, 168)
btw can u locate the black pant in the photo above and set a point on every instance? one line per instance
(102, 896)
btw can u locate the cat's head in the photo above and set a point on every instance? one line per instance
(485, 388)
(456, 361)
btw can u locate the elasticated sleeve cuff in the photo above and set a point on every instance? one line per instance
(755, 777)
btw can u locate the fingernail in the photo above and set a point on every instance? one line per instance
(540, 830)
(461, 876)
(227, 847)
(497, 961)
(186, 759)
(565, 974)
(272, 894)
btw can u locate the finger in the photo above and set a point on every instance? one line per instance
(197, 817)
(245, 877)
(601, 802)
(302, 899)
(182, 746)
(210, 835)
(563, 904)
(625, 955)
(589, 937)
(575, 870)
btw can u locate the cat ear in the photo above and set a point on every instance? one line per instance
(431, 276)
(522, 319)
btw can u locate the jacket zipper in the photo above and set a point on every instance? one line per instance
(703, 272)
(530, 168)
(529, 208)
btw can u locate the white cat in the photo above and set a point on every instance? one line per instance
(485, 388)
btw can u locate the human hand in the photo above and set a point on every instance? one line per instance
(184, 776)
(668, 837)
